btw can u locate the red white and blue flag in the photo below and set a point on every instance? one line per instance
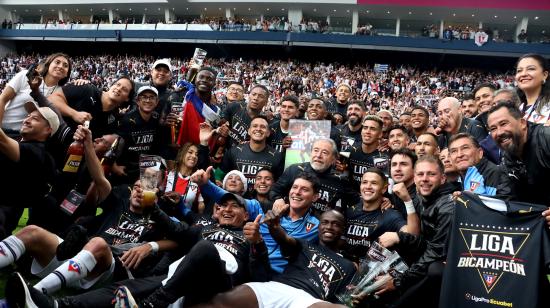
(195, 112)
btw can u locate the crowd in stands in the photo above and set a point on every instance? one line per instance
(417, 161)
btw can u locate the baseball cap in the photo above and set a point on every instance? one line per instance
(232, 197)
(47, 113)
(147, 88)
(165, 62)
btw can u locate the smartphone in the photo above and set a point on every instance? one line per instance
(32, 71)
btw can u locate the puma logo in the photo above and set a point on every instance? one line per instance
(464, 202)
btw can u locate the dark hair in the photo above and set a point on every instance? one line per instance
(322, 100)
(181, 154)
(262, 87)
(512, 109)
(260, 116)
(291, 98)
(359, 103)
(43, 68)
(544, 96)
(379, 173)
(210, 69)
(468, 96)
(265, 169)
(433, 160)
(432, 135)
(405, 152)
(479, 86)
(375, 118)
(467, 136)
(426, 112)
(132, 92)
(235, 83)
(513, 93)
(312, 178)
(401, 127)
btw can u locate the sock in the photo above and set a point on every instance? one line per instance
(11, 249)
(72, 270)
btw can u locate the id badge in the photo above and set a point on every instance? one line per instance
(73, 200)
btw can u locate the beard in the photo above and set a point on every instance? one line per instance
(354, 120)
(514, 146)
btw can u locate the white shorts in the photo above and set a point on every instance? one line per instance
(274, 294)
(41, 272)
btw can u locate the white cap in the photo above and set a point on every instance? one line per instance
(165, 62)
(147, 88)
(47, 113)
(239, 174)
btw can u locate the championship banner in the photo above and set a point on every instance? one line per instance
(498, 255)
(303, 134)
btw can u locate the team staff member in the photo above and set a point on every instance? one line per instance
(527, 151)
(478, 174)
(253, 155)
(140, 131)
(335, 192)
(452, 122)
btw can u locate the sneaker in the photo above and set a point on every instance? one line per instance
(19, 294)
(124, 298)
(73, 243)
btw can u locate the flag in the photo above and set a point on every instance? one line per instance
(195, 112)
(380, 68)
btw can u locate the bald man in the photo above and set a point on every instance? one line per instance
(452, 122)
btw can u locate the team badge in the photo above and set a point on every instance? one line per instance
(489, 279)
(474, 186)
(74, 267)
(309, 226)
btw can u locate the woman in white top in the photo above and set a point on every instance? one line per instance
(533, 88)
(54, 72)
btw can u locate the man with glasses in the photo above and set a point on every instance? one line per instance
(140, 130)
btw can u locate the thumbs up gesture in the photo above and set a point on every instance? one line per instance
(251, 230)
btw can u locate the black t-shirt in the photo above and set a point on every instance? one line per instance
(239, 122)
(87, 98)
(497, 256)
(318, 271)
(242, 158)
(229, 238)
(140, 137)
(360, 161)
(348, 138)
(364, 227)
(277, 136)
(119, 225)
(25, 183)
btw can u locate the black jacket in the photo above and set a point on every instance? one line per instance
(470, 126)
(435, 219)
(530, 172)
(335, 192)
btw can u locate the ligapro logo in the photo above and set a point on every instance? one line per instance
(491, 301)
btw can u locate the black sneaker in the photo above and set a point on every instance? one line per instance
(73, 243)
(19, 294)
